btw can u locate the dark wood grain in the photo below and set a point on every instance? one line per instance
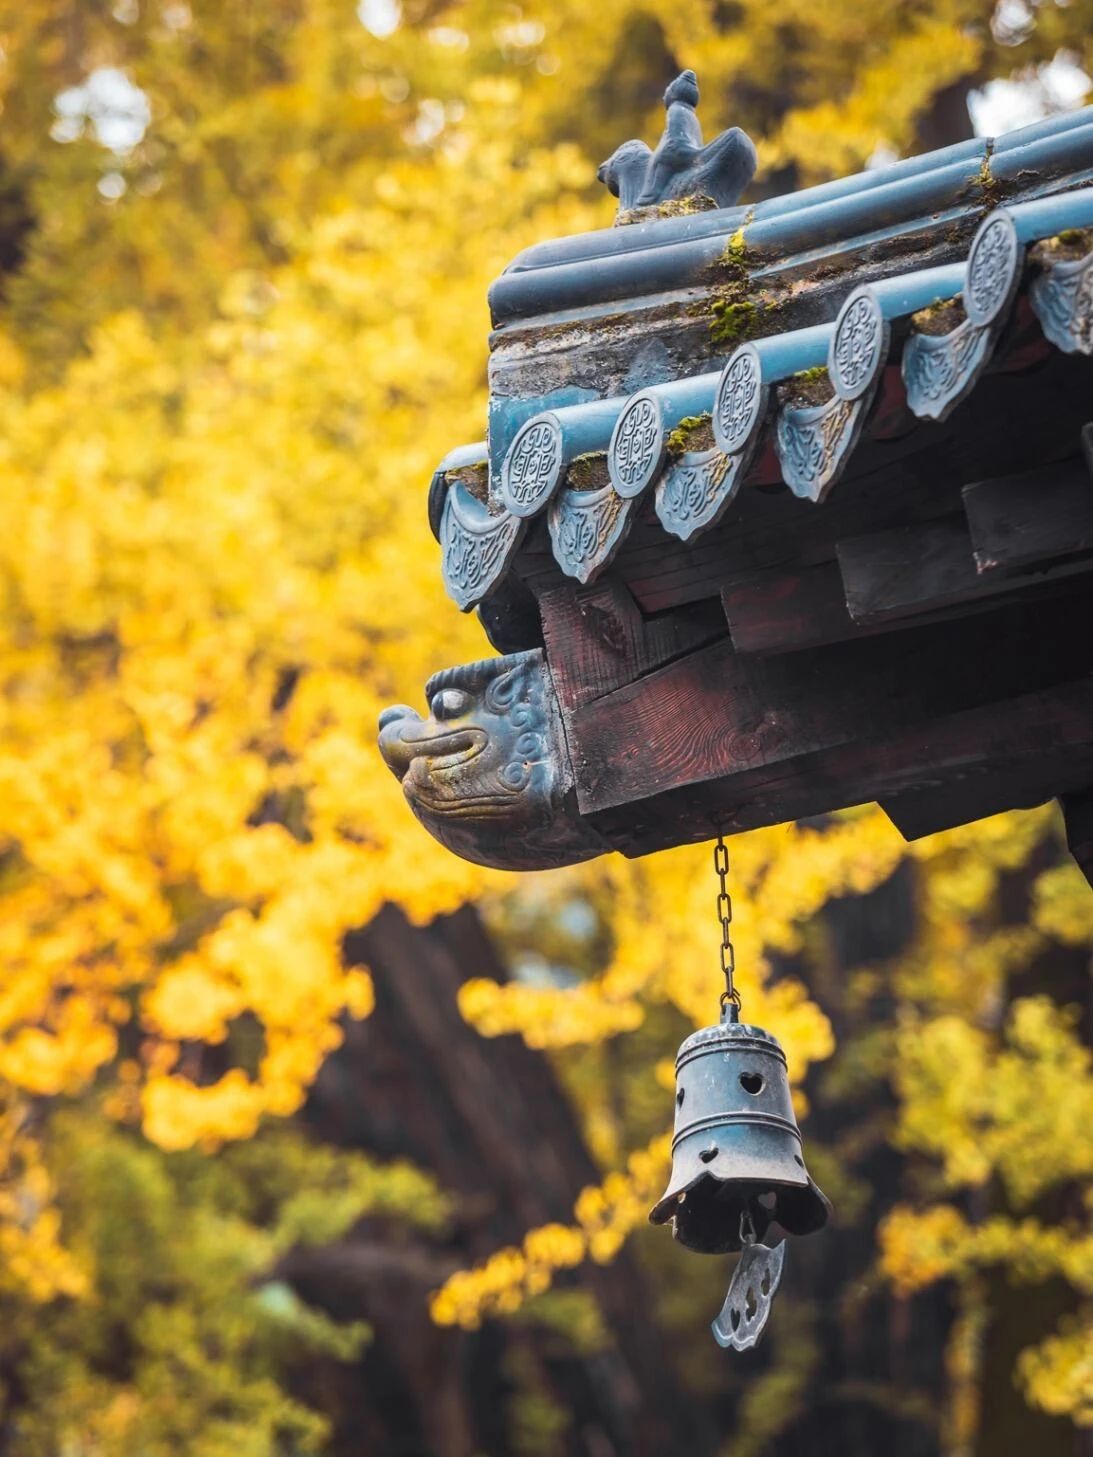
(906, 570)
(947, 754)
(778, 612)
(597, 640)
(1037, 516)
(717, 714)
(912, 570)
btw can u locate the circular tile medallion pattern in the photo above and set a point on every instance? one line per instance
(857, 346)
(736, 407)
(532, 467)
(637, 446)
(992, 269)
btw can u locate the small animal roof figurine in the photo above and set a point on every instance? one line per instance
(681, 168)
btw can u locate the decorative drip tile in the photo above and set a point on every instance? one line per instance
(1062, 297)
(940, 370)
(586, 529)
(694, 490)
(478, 546)
(814, 442)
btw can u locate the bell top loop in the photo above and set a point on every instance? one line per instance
(730, 1008)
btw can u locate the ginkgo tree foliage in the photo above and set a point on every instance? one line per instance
(246, 255)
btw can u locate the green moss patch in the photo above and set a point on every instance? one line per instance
(1067, 246)
(808, 387)
(587, 473)
(941, 317)
(733, 321)
(694, 432)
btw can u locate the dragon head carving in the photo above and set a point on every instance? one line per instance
(487, 772)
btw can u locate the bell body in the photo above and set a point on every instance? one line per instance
(737, 1147)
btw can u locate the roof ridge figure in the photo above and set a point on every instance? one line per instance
(682, 168)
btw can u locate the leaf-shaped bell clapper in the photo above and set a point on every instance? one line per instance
(737, 1163)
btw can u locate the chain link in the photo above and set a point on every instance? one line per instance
(724, 915)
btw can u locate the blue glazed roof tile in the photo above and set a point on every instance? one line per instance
(688, 442)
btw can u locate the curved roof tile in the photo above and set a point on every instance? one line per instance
(587, 468)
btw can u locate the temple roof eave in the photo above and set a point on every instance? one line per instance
(586, 468)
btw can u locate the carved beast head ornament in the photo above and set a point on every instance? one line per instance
(487, 772)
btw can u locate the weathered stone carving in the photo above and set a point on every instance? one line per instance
(487, 772)
(681, 167)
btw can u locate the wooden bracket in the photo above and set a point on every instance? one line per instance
(1078, 817)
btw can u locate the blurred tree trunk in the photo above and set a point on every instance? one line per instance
(489, 1120)
(947, 119)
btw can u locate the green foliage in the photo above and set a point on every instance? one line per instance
(571, 1315)
(230, 354)
(186, 1334)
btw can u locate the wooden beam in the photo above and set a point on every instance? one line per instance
(715, 714)
(1037, 516)
(903, 573)
(990, 791)
(1078, 817)
(1010, 423)
(888, 574)
(597, 640)
(779, 612)
(950, 753)
(795, 610)
(770, 529)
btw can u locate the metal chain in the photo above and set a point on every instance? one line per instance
(724, 915)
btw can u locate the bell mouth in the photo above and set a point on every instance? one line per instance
(706, 1214)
